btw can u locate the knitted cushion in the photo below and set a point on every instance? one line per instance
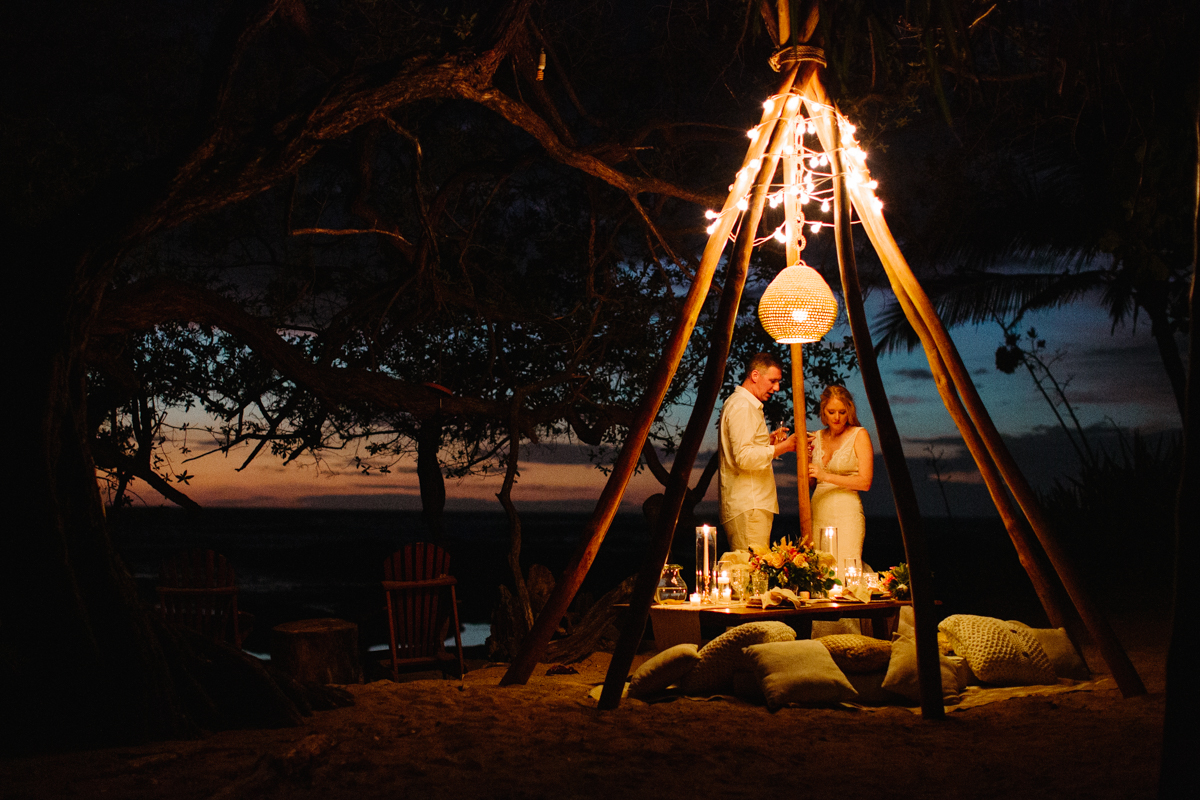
(998, 652)
(800, 672)
(857, 654)
(663, 669)
(721, 657)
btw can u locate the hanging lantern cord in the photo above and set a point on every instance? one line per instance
(787, 56)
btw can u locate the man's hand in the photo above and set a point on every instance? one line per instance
(787, 445)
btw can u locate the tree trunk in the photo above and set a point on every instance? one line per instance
(430, 478)
(80, 660)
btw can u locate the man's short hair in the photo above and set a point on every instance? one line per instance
(762, 362)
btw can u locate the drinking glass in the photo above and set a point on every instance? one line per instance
(739, 577)
(851, 573)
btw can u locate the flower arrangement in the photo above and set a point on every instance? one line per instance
(896, 581)
(796, 567)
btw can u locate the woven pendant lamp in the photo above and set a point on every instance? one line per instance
(798, 307)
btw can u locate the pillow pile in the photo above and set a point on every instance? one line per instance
(721, 658)
(998, 652)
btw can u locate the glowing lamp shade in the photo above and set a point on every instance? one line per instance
(798, 307)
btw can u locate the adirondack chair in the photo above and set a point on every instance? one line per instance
(417, 585)
(197, 590)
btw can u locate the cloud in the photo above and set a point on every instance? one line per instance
(914, 373)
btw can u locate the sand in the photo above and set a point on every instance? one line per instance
(445, 738)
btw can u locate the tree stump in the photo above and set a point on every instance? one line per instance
(317, 650)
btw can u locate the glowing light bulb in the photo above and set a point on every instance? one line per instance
(710, 214)
(814, 162)
(878, 204)
(753, 164)
(800, 314)
(779, 236)
(824, 159)
(815, 227)
(769, 104)
(752, 133)
(793, 102)
(742, 204)
(873, 184)
(710, 229)
(812, 127)
(825, 206)
(804, 198)
(775, 200)
(788, 150)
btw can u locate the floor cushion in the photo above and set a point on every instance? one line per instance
(902, 677)
(998, 652)
(1061, 652)
(857, 654)
(799, 672)
(663, 670)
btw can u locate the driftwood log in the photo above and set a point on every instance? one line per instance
(577, 638)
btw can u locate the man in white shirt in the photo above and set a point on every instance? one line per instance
(748, 503)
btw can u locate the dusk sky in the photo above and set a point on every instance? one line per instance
(1114, 378)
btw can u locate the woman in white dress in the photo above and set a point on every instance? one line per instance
(842, 465)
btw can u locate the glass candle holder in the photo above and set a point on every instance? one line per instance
(706, 561)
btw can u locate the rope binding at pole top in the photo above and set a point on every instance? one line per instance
(787, 56)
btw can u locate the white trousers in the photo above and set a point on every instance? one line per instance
(750, 530)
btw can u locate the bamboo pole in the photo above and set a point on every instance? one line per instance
(536, 641)
(800, 415)
(799, 406)
(1049, 590)
(697, 426)
(929, 670)
(905, 283)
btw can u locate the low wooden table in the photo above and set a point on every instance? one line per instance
(681, 624)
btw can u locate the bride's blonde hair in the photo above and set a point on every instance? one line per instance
(840, 393)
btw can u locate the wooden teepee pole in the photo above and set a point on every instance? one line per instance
(697, 426)
(904, 282)
(800, 417)
(1045, 583)
(536, 641)
(920, 573)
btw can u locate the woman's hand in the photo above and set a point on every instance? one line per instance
(814, 471)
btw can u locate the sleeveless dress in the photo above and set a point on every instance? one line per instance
(837, 505)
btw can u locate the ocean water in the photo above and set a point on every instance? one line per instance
(301, 564)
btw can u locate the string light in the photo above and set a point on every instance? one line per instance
(807, 174)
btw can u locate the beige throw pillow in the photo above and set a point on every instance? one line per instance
(663, 670)
(857, 654)
(800, 672)
(1061, 652)
(902, 677)
(998, 652)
